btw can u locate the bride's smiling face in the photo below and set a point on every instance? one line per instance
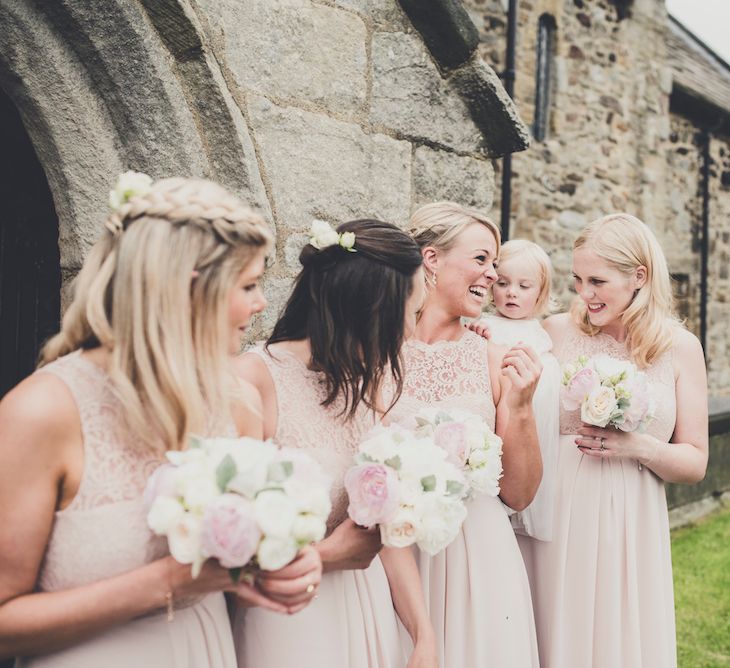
(466, 271)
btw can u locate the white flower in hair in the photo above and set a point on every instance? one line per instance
(130, 184)
(324, 236)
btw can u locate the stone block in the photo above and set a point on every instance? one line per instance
(440, 175)
(572, 220)
(384, 15)
(294, 50)
(319, 167)
(410, 97)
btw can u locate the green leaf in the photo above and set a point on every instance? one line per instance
(225, 472)
(394, 462)
(279, 471)
(235, 574)
(454, 488)
(428, 483)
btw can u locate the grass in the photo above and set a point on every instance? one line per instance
(701, 563)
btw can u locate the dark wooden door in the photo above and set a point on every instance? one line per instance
(30, 274)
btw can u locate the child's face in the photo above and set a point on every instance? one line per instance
(517, 289)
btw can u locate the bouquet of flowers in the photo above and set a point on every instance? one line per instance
(239, 500)
(470, 445)
(404, 483)
(608, 392)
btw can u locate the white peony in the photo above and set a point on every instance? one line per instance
(184, 540)
(610, 368)
(440, 521)
(275, 553)
(308, 528)
(164, 514)
(275, 513)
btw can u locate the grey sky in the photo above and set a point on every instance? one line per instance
(707, 19)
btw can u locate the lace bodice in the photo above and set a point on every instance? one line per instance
(304, 423)
(660, 375)
(103, 531)
(447, 374)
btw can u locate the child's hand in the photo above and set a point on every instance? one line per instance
(479, 327)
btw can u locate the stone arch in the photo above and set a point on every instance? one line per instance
(103, 90)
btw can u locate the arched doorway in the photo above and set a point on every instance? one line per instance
(30, 273)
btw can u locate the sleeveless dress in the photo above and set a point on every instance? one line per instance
(352, 622)
(602, 588)
(536, 521)
(476, 589)
(103, 532)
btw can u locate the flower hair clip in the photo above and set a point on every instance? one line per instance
(130, 184)
(323, 236)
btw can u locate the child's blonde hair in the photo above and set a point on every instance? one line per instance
(531, 252)
(154, 291)
(626, 243)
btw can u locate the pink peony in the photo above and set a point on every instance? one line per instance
(579, 387)
(230, 532)
(639, 404)
(451, 436)
(374, 494)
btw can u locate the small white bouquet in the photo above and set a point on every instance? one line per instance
(242, 501)
(404, 483)
(608, 392)
(470, 444)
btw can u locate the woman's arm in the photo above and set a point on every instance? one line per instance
(408, 600)
(41, 461)
(684, 459)
(513, 388)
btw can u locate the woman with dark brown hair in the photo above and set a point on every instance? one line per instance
(320, 377)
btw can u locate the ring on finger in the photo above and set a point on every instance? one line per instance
(603, 443)
(310, 588)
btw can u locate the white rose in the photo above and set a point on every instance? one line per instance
(184, 539)
(402, 531)
(308, 528)
(599, 406)
(275, 513)
(610, 367)
(275, 553)
(164, 513)
(130, 184)
(347, 240)
(323, 235)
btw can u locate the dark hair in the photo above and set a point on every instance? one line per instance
(351, 307)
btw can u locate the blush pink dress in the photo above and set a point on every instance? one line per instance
(352, 622)
(602, 588)
(103, 532)
(476, 590)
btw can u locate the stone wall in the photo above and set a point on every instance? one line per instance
(614, 144)
(330, 109)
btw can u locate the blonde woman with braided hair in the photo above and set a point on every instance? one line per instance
(603, 587)
(140, 362)
(476, 589)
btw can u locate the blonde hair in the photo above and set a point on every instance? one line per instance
(439, 225)
(626, 243)
(531, 252)
(154, 291)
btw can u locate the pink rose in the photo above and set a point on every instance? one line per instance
(229, 531)
(160, 483)
(451, 436)
(579, 387)
(638, 409)
(374, 494)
